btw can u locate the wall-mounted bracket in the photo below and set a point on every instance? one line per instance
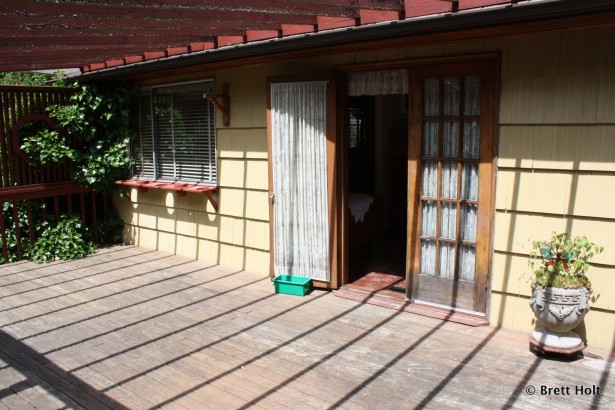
(223, 103)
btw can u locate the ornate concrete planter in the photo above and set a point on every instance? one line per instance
(559, 311)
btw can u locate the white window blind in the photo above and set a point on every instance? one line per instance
(177, 134)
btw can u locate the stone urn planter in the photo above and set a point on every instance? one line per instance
(559, 310)
(560, 292)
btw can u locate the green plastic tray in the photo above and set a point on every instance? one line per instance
(292, 285)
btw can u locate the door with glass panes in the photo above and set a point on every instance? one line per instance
(451, 184)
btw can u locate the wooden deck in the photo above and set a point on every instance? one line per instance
(134, 328)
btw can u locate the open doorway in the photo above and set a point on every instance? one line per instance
(377, 152)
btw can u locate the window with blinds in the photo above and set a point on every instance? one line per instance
(177, 134)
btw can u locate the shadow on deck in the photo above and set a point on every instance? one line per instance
(139, 329)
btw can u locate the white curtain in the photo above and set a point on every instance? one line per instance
(383, 82)
(301, 230)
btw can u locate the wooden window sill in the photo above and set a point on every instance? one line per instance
(182, 188)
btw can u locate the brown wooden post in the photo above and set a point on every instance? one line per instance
(5, 247)
(17, 230)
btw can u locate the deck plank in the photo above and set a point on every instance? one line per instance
(134, 328)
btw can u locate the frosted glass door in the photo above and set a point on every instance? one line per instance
(449, 190)
(450, 200)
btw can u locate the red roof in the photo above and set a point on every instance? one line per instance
(99, 34)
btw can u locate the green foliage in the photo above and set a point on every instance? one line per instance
(32, 79)
(562, 261)
(110, 229)
(65, 239)
(13, 226)
(98, 124)
(45, 147)
(99, 119)
(23, 78)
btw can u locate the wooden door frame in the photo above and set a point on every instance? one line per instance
(489, 70)
(492, 60)
(332, 175)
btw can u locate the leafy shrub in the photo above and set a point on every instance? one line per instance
(99, 120)
(98, 123)
(562, 261)
(13, 226)
(65, 239)
(45, 147)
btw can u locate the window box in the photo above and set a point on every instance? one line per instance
(182, 188)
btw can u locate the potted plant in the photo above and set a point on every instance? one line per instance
(560, 291)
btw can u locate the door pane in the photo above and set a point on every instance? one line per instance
(431, 97)
(449, 179)
(428, 257)
(448, 222)
(471, 139)
(469, 181)
(429, 220)
(471, 98)
(430, 139)
(469, 214)
(430, 179)
(451, 96)
(447, 260)
(467, 262)
(450, 144)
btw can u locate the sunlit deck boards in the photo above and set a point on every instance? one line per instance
(134, 328)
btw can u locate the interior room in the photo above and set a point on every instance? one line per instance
(377, 147)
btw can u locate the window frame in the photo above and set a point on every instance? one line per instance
(209, 178)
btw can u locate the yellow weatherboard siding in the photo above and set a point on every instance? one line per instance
(555, 166)
(251, 143)
(586, 147)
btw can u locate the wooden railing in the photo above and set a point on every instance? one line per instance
(30, 193)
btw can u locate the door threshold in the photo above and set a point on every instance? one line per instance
(393, 299)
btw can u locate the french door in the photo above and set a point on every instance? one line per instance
(301, 180)
(451, 184)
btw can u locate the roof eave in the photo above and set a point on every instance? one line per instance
(463, 20)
